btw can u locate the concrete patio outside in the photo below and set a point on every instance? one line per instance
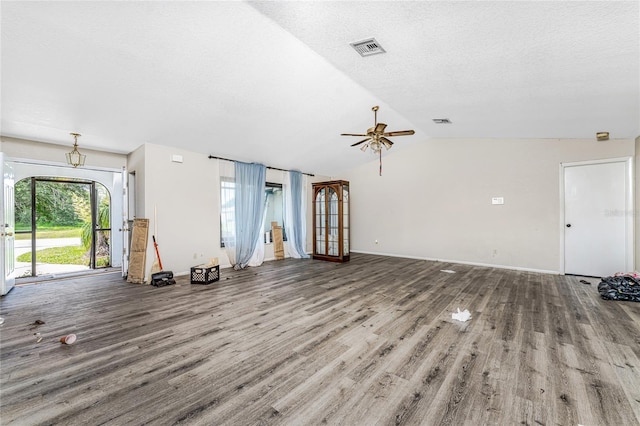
(24, 246)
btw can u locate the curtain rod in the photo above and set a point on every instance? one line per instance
(268, 167)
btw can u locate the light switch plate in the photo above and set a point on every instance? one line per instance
(497, 200)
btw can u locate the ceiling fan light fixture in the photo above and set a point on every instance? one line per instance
(74, 158)
(376, 137)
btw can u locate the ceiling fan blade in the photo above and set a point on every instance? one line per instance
(400, 133)
(352, 134)
(380, 127)
(386, 142)
(358, 143)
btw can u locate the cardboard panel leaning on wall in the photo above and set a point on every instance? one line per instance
(433, 200)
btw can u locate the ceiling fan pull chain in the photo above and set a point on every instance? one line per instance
(380, 152)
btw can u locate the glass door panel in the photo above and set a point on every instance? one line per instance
(102, 226)
(345, 220)
(320, 230)
(333, 223)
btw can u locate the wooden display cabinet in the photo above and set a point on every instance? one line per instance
(331, 221)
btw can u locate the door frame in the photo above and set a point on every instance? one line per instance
(109, 177)
(629, 208)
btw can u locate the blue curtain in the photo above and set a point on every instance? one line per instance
(249, 209)
(299, 221)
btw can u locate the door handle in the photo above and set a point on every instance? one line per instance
(568, 225)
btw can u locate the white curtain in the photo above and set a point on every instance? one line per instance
(249, 210)
(295, 194)
(227, 209)
(258, 255)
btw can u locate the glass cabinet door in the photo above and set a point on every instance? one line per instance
(320, 222)
(333, 223)
(345, 220)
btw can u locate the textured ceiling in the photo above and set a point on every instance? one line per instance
(277, 82)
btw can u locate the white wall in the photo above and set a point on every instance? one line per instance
(181, 202)
(40, 159)
(186, 199)
(636, 211)
(434, 200)
(55, 154)
(135, 164)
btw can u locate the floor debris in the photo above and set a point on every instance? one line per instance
(69, 339)
(36, 323)
(461, 316)
(448, 271)
(624, 287)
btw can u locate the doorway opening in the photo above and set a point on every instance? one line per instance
(63, 225)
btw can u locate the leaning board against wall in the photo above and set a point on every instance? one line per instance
(138, 253)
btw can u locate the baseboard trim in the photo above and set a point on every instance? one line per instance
(462, 262)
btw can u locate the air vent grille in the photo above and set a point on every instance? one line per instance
(442, 121)
(368, 47)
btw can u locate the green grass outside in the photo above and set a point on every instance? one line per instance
(70, 255)
(51, 232)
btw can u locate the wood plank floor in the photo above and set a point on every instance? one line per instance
(299, 342)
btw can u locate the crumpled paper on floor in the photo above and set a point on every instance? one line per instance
(461, 316)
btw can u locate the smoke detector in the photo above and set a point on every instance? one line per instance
(368, 47)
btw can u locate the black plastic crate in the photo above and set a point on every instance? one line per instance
(205, 275)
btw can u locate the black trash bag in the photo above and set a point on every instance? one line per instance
(622, 287)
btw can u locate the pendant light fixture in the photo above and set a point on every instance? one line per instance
(74, 158)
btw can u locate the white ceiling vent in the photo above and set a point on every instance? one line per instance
(368, 47)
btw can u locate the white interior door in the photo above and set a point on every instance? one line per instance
(596, 227)
(7, 228)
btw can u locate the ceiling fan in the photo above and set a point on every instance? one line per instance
(376, 137)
